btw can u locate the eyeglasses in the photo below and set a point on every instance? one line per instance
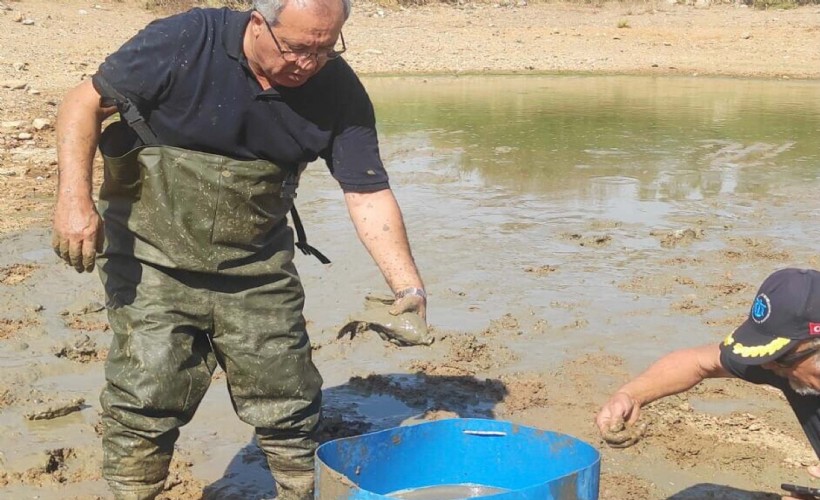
(302, 55)
(794, 357)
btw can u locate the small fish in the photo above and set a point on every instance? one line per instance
(406, 329)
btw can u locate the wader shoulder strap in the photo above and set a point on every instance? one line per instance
(301, 242)
(128, 111)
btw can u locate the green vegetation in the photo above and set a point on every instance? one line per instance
(623, 23)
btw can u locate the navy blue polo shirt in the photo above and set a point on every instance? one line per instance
(806, 408)
(190, 79)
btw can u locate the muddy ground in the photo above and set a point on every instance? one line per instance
(502, 350)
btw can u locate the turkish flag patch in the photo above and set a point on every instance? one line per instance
(814, 328)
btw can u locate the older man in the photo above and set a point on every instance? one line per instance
(777, 345)
(221, 111)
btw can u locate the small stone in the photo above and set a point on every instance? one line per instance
(14, 84)
(41, 123)
(746, 36)
(91, 307)
(12, 125)
(24, 136)
(49, 410)
(8, 172)
(33, 91)
(82, 12)
(28, 22)
(20, 66)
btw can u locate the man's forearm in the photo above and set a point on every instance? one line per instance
(78, 131)
(379, 224)
(674, 373)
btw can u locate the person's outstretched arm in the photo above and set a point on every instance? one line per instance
(379, 224)
(77, 228)
(674, 373)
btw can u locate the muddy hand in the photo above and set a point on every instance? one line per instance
(621, 435)
(77, 238)
(410, 303)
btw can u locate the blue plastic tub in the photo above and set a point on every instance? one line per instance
(526, 463)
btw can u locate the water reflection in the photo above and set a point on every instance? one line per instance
(496, 175)
(594, 139)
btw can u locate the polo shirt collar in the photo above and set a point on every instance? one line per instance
(233, 42)
(235, 35)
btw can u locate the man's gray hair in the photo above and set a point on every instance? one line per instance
(271, 8)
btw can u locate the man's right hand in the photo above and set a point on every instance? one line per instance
(77, 234)
(616, 421)
(814, 472)
(412, 304)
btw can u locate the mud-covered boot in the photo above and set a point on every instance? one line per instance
(124, 491)
(135, 464)
(291, 462)
(294, 485)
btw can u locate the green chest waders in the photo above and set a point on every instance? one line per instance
(196, 211)
(198, 270)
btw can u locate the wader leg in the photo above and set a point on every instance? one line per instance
(291, 462)
(158, 369)
(260, 337)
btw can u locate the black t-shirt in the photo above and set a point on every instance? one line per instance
(807, 408)
(190, 79)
